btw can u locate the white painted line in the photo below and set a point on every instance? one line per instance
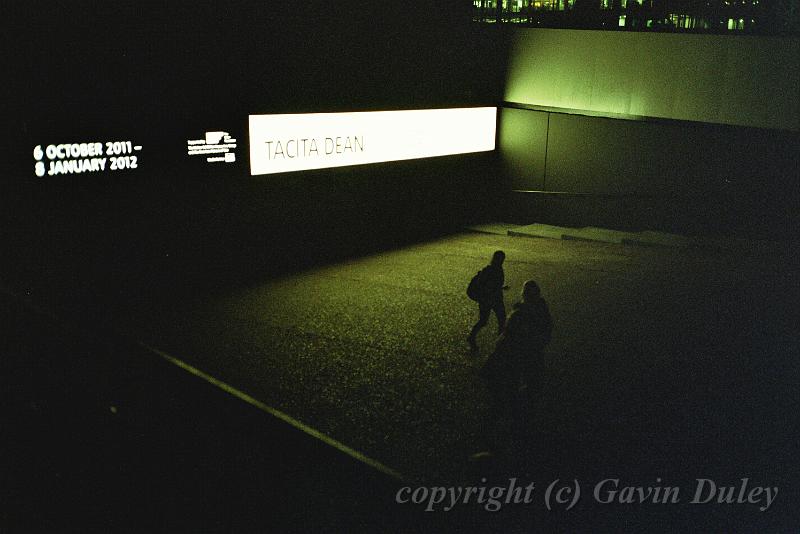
(277, 413)
(231, 390)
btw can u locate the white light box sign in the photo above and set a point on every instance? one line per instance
(296, 142)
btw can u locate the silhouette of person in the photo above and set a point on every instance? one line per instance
(527, 333)
(491, 299)
(517, 363)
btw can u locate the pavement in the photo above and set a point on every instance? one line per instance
(667, 365)
(101, 434)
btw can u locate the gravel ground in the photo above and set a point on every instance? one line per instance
(664, 362)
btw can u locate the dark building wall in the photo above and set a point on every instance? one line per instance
(606, 167)
(159, 74)
(675, 176)
(178, 60)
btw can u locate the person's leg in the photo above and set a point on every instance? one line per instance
(484, 309)
(500, 311)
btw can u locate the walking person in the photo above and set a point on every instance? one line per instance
(486, 288)
(528, 332)
(514, 372)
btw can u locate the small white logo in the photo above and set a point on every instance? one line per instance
(214, 143)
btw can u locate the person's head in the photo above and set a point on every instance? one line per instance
(530, 291)
(498, 257)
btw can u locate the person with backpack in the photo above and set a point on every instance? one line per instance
(486, 288)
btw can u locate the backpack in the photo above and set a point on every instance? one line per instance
(476, 290)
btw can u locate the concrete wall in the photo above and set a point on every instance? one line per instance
(578, 154)
(739, 80)
(725, 158)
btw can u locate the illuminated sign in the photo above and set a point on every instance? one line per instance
(77, 158)
(294, 142)
(215, 146)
